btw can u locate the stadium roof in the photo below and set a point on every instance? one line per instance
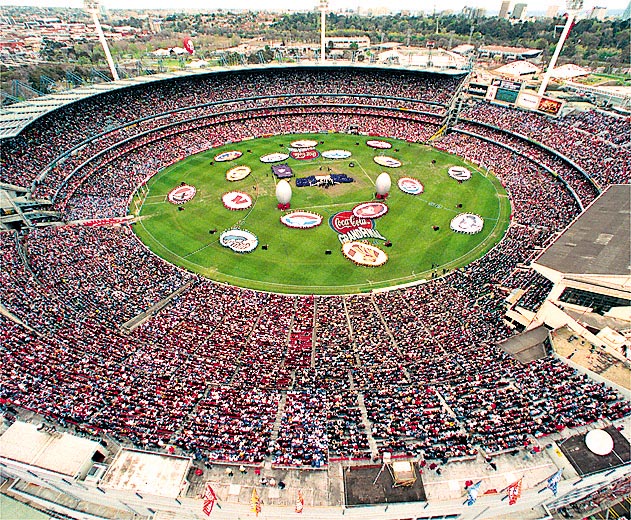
(58, 452)
(599, 241)
(15, 118)
(147, 472)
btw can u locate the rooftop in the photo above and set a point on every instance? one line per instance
(58, 452)
(147, 472)
(599, 241)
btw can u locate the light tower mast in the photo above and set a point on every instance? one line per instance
(573, 7)
(324, 6)
(92, 7)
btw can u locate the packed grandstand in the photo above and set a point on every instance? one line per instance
(229, 374)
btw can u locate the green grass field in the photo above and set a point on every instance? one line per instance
(295, 261)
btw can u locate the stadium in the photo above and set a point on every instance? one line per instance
(133, 387)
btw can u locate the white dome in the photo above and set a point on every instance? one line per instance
(283, 192)
(383, 183)
(599, 442)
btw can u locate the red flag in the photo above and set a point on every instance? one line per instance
(256, 502)
(209, 500)
(300, 502)
(514, 491)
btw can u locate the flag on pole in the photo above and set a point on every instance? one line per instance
(553, 481)
(209, 500)
(472, 493)
(514, 492)
(300, 502)
(256, 502)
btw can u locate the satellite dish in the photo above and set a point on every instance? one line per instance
(599, 442)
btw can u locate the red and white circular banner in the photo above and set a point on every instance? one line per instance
(181, 194)
(370, 210)
(305, 155)
(304, 143)
(364, 254)
(236, 200)
(410, 185)
(384, 160)
(238, 173)
(382, 145)
(228, 156)
(274, 157)
(301, 219)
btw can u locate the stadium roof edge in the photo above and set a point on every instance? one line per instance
(15, 118)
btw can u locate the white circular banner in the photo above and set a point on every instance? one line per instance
(467, 223)
(228, 156)
(181, 194)
(238, 173)
(384, 160)
(336, 154)
(460, 173)
(370, 210)
(274, 157)
(305, 143)
(410, 185)
(364, 254)
(235, 200)
(382, 145)
(239, 240)
(301, 219)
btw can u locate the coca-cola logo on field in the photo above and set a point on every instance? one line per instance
(349, 227)
(305, 155)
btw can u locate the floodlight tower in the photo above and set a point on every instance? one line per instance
(92, 7)
(324, 6)
(573, 7)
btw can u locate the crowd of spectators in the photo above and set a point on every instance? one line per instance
(605, 162)
(236, 375)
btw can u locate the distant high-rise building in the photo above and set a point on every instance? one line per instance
(519, 11)
(598, 13)
(473, 13)
(504, 10)
(552, 11)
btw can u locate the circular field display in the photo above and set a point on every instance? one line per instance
(238, 173)
(410, 186)
(301, 219)
(467, 223)
(239, 240)
(370, 210)
(390, 162)
(228, 156)
(304, 155)
(181, 194)
(381, 145)
(304, 243)
(304, 143)
(236, 200)
(274, 157)
(364, 254)
(336, 154)
(460, 173)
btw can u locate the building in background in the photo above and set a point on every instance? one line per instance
(473, 13)
(552, 11)
(504, 10)
(519, 11)
(598, 13)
